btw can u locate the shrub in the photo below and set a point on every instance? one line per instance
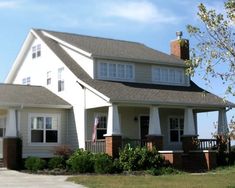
(56, 162)
(81, 161)
(162, 171)
(139, 158)
(34, 164)
(103, 163)
(63, 151)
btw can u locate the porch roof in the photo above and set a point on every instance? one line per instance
(30, 96)
(137, 92)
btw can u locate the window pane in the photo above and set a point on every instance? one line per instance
(121, 71)
(103, 70)
(51, 136)
(102, 122)
(174, 136)
(60, 85)
(100, 133)
(164, 75)
(157, 74)
(37, 136)
(1, 132)
(171, 75)
(129, 71)
(37, 123)
(48, 123)
(112, 70)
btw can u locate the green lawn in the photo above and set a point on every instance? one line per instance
(219, 178)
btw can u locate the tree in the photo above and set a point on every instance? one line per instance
(214, 52)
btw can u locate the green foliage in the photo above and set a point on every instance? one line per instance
(103, 163)
(34, 164)
(81, 161)
(139, 158)
(163, 171)
(56, 162)
(214, 52)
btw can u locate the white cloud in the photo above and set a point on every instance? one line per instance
(141, 11)
(9, 4)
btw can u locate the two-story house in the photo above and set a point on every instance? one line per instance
(97, 93)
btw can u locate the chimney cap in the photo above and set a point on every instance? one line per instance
(179, 34)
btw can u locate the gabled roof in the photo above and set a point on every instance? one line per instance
(137, 92)
(116, 49)
(29, 96)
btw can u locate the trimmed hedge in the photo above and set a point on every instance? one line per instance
(34, 164)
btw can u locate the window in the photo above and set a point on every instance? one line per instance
(101, 127)
(168, 75)
(2, 126)
(49, 78)
(36, 51)
(176, 129)
(118, 71)
(26, 81)
(44, 128)
(61, 79)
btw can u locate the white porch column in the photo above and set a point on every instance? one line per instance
(113, 127)
(222, 122)
(189, 123)
(154, 121)
(11, 126)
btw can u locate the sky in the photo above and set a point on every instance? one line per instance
(152, 22)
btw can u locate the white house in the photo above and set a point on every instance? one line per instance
(136, 93)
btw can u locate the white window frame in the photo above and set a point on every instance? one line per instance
(101, 115)
(179, 129)
(61, 79)
(44, 143)
(3, 119)
(49, 78)
(168, 75)
(112, 71)
(36, 51)
(26, 80)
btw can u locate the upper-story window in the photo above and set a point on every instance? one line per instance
(49, 78)
(168, 75)
(118, 71)
(26, 81)
(61, 79)
(36, 51)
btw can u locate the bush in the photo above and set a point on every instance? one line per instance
(63, 151)
(34, 164)
(81, 161)
(139, 158)
(56, 162)
(162, 171)
(103, 163)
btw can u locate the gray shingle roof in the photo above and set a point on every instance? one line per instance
(30, 96)
(140, 93)
(116, 49)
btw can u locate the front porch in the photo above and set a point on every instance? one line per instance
(173, 131)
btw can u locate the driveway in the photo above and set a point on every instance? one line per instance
(14, 179)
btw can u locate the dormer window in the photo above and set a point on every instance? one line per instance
(36, 51)
(168, 75)
(116, 71)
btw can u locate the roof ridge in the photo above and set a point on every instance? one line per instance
(83, 35)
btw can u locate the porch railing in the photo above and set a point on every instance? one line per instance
(95, 147)
(205, 144)
(133, 142)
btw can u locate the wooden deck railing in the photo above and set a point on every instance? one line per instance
(205, 144)
(95, 147)
(133, 142)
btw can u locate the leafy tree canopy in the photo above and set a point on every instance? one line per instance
(214, 52)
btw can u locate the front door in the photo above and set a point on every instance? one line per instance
(144, 126)
(2, 134)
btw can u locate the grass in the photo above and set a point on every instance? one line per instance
(221, 177)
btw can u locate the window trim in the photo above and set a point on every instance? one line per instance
(44, 115)
(116, 77)
(169, 129)
(99, 114)
(184, 78)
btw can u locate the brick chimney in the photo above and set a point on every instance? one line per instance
(180, 47)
